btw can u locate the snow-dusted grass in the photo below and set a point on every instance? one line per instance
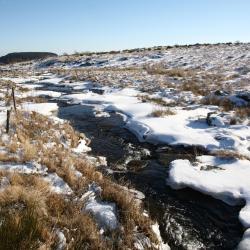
(161, 112)
(104, 212)
(188, 81)
(43, 157)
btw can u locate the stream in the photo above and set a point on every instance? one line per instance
(187, 219)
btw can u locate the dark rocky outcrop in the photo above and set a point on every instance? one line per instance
(24, 56)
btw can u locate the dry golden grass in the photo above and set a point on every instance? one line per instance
(13, 146)
(131, 213)
(31, 212)
(242, 112)
(33, 99)
(86, 237)
(81, 231)
(156, 100)
(230, 154)
(161, 112)
(224, 103)
(22, 89)
(29, 151)
(36, 212)
(24, 214)
(160, 69)
(5, 157)
(195, 87)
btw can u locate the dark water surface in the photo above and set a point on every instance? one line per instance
(187, 219)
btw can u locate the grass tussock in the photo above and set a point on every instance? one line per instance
(13, 146)
(160, 69)
(156, 100)
(161, 112)
(22, 89)
(24, 223)
(32, 99)
(230, 154)
(224, 103)
(131, 214)
(197, 88)
(242, 112)
(5, 157)
(29, 151)
(32, 214)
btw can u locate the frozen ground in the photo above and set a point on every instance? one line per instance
(196, 96)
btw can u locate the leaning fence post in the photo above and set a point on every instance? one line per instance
(8, 121)
(13, 97)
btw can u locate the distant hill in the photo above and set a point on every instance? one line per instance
(24, 56)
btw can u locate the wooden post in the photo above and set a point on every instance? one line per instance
(13, 98)
(8, 121)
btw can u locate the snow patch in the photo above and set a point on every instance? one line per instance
(58, 185)
(105, 213)
(224, 179)
(42, 108)
(82, 147)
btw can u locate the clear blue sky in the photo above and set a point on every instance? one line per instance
(96, 25)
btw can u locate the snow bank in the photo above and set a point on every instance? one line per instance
(34, 93)
(143, 242)
(18, 80)
(82, 147)
(105, 213)
(187, 127)
(224, 179)
(58, 185)
(27, 168)
(31, 86)
(51, 80)
(162, 245)
(245, 242)
(62, 241)
(42, 108)
(3, 115)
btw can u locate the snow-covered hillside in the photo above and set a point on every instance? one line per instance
(193, 96)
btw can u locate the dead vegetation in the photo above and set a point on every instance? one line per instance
(197, 88)
(156, 100)
(161, 112)
(223, 102)
(32, 217)
(242, 112)
(32, 99)
(160, 69)
(32, 214)
(230, 154)
(23, 218)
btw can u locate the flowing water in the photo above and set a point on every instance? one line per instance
(187, 219)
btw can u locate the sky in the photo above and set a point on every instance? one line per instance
(101, 25)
